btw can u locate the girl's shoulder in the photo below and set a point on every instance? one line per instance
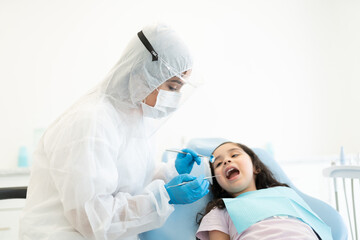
(217, 219)
(217, 213)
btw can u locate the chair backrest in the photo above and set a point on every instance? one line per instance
(182, 222)
(346, 185)
(12, 192)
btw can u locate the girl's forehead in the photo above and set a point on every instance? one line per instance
(225, 147)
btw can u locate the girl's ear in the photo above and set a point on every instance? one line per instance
(257, 171)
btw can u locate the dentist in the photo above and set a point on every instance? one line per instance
(93, 174)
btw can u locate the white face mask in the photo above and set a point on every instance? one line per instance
(166, 103)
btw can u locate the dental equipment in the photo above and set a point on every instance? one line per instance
(211, 158)
(188, 182)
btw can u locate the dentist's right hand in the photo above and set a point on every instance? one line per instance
(193, 190)
(185, 162)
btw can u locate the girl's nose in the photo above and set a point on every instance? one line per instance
(227, 161)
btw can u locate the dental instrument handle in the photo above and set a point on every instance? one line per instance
(178, 151)
(187, 182)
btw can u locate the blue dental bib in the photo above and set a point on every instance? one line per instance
(251, 207)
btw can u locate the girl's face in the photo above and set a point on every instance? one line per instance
(235, 169)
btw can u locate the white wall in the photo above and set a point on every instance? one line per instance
(279, 73)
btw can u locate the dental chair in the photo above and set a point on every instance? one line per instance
(181, 224)
(347, 194)
(12, 192)
(12, 199)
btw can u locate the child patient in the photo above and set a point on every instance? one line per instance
(249, 203)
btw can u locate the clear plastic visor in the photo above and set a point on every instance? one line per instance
(184, 83)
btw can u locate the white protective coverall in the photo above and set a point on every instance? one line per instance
(93, 174)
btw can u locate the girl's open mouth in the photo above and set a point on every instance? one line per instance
(232, 173)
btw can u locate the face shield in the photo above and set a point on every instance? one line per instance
(181, 84)
(171, 93)
(170, 84)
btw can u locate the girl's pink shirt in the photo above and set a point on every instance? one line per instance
(270, 228)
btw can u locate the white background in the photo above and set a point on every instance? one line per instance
(281, 75)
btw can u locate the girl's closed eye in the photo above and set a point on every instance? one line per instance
(218, 164)
(236, 153)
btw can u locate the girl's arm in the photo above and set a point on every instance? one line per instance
(218, 235)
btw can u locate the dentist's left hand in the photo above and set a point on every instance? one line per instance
(185, 162)
(193, 190)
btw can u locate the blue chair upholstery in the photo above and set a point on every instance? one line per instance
(182, 222)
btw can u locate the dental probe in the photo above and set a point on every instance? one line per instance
(190, 181)
(199, 155)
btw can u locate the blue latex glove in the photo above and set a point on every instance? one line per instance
(193, 190)
(185, 162)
